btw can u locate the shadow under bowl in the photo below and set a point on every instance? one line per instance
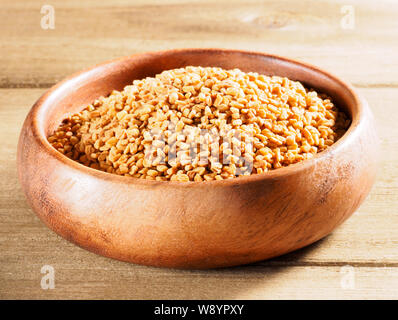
(194, 224)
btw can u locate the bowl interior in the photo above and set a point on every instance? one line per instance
(71, 95)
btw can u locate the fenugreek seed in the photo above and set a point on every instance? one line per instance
(152, 173)
(137, 131)
(179, 126)
(120, 115)
(200, 170)
(208, 111)
(123, 169)
(290, 140)
(112, 141)
(237, 122)
(209, 177)
(173, 97)
(198, 178)
(161, 168)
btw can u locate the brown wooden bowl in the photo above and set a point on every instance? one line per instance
(194, 224)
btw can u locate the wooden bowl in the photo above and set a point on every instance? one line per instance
(194, 224)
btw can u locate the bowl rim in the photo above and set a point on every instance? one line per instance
(38, 109)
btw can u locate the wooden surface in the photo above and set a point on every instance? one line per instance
(88, 32)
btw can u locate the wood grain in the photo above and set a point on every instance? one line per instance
(90, 281)
(90, 32)
(368, 241)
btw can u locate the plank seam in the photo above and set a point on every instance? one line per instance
(47, 85)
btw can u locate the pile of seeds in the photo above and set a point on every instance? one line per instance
(201, 124)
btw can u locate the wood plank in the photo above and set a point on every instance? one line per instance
(99, 279)
(90, 32)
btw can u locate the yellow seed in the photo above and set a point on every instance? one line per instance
(195, 124)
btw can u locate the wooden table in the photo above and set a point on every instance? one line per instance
(359, 260)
